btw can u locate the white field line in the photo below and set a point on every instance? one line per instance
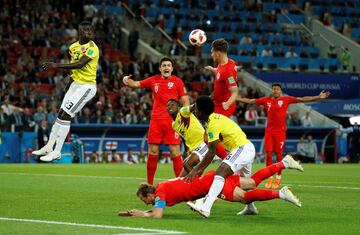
(152, 231)
(298, 184)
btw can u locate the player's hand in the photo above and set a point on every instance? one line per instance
(212, 69)
(137, 213)
(190, 177)
(225, 105)
(124, 213)
(126, 79)
(324, 94)
(48, 65)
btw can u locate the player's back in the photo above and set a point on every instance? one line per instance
(189, 127)
(87, 74)
(226, 130)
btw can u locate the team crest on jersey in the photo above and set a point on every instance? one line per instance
(170, 85)
(218, 76)
(280, 103)
(83, 49)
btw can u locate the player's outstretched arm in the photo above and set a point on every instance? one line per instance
(76, 65)
(246, 100)
(131, 83)
(156, 213)
(211, 69)
(199, 168)
(323, 95)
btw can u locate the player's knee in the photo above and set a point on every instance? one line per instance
(224, 170)
(64, 116)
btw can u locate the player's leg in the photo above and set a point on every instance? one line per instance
(223, 171)
(265, 195)
(154, 141)
(78, 96)
(49, 147)
(269, 152)
(279, 143)
(194, 158)
(244, 165)
(172, 139)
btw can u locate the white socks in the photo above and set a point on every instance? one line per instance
(53, 134)
(214, 191)
(63, 130)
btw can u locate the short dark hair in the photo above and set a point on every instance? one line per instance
(85, 23)
(220, 45)
(276, 84)
(205, 104)
(165, 58)
(145, 189)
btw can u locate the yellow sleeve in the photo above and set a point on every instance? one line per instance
(92, 52)
(185, 111)
(213, 131)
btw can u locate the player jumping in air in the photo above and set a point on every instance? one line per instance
(84, 59)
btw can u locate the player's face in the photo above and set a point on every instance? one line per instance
(276, 91)
(149, 199)
(166, 69)
(86, 32)
(198, 114)
(214, 55)
(172, 107)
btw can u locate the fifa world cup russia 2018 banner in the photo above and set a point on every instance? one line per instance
(341, 86)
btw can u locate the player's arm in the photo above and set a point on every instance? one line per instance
(185, 100)
(76, 65)
(211, 69)
(232, 99)
(199, 168)
(246, 100)
(323, 95)
(131, 83)
(156, 213)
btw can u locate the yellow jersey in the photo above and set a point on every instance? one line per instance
(189, 127)
(87, 74)
(220, 127)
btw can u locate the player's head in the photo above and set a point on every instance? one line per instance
(204, 106)
(219, 47)
(276, 90)
(166, 66)
(172, 106)
(146, 193)
(86, 31)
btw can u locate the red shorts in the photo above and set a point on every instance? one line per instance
(161, 131)
(231, 182)
(220, 110)
(275, 141)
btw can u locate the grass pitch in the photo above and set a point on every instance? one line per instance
(84, 199)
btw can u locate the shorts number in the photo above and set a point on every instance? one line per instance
(69, 104)
(281, 145)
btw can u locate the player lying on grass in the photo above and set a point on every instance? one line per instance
(174, 191)
(190, 129)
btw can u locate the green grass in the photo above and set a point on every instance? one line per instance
(330, 195)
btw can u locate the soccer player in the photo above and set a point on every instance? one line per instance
(275, 131)
(84, 59)
(175, 191)
(225, 87)
(221, 129)
(164, 87)
(190, 129)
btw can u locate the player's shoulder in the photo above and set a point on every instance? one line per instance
(74, 44)
(92, 44)
(175, 78)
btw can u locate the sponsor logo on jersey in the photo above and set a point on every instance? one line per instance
(211, 135)
(231, 80)
(90, 52)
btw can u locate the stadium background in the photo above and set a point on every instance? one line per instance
(133, 35)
